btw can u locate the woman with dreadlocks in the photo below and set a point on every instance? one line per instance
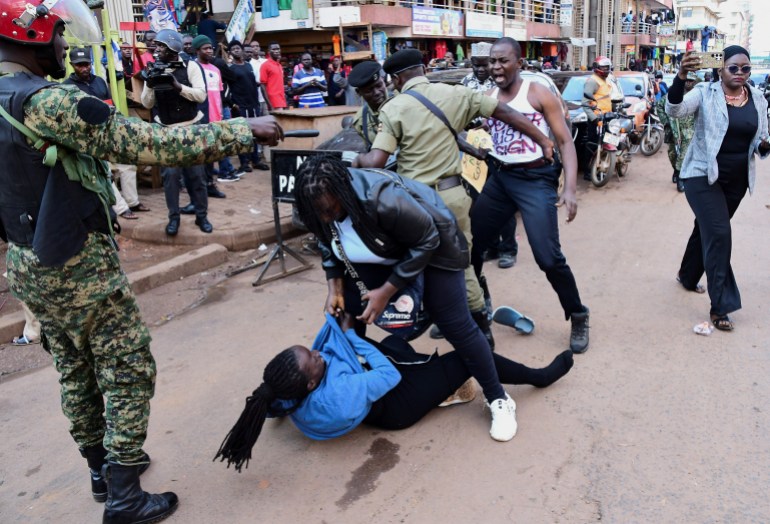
(391, 238)
(346, 380)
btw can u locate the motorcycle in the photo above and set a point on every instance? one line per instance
(613, 151)
(652, 133)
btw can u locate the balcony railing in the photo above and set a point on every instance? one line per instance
(639, 28)
(543, 11)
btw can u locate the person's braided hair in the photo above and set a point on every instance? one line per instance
(282, 379)
(322, 175)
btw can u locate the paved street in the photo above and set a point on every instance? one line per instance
(653, 424)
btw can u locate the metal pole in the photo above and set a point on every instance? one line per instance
(636, 33)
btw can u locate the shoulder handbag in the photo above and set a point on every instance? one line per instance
(404, 316)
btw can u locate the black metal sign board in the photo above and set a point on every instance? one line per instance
(284, 164)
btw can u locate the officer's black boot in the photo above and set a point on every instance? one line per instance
(96, 456)
(480, 317)
(128, 504)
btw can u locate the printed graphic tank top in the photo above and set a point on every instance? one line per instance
(510, 145)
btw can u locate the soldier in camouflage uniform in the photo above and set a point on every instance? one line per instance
(682, 130)
(62, 262)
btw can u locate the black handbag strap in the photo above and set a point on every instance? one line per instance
(365, 118)
(348, 265)
(433, 109)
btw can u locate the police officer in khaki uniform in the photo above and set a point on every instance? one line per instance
(55, 214)
(427, 148)
(368, 79)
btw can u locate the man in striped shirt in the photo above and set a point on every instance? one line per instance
(309, 83)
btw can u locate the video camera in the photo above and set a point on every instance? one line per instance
(159, 75)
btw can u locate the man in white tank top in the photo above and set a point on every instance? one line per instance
(520, 179)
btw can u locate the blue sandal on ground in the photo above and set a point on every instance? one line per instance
(22, 341)
(508, 316)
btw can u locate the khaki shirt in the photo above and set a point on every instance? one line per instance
(373, 121)
(428, 151)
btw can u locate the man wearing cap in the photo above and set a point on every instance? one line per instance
(175, 103)
(369, 81)
(428, 151)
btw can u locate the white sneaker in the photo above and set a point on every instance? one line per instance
(503, 419)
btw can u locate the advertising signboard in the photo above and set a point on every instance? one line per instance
(482, 25)
(437, 22)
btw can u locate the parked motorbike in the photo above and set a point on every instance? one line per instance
(652, 132)
(613, 151)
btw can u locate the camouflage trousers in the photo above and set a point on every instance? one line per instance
(92, 326)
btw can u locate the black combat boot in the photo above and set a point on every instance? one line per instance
(96, 456)
(128, 504)
(481, 319)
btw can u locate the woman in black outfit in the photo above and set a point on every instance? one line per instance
(730, 128)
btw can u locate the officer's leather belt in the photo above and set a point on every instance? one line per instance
(448, 183)
(540, 162)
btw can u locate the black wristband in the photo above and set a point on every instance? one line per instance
(676, 92)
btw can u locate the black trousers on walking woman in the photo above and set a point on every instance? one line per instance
(710, 245)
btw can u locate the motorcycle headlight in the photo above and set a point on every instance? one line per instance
(614, 126)
(580, 118)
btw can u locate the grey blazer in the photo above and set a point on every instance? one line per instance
(707, 102)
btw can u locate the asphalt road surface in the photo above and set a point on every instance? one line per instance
(653, 424)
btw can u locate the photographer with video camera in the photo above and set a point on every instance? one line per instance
(173, 89)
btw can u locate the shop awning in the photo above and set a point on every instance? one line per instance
(551, 39)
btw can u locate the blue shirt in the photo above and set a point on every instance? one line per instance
(346, 393)
(312, 96)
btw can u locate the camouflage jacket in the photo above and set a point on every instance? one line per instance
(66, 116)
(682, 130)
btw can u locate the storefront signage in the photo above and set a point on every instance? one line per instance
(437, 22)
(482, 25)
(380, 45)
(240, 22)
(516, 30)
(565, 18)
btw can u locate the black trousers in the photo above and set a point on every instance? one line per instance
(425, 386)
(710, 245)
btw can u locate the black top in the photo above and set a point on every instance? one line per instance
(733, 156)
(95, 86)
(244, 88)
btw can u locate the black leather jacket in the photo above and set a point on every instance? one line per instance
(412, 225)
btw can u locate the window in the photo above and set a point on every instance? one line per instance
(686, 12)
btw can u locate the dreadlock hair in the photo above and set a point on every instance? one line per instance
(326, 175)
(282, 379)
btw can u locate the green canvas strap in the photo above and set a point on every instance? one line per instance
(50, 152)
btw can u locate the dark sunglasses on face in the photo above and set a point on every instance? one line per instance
(733, 69)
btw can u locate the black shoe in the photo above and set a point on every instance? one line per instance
(490, 254)
(435, 333)
(262, 166)
(578, 339)
(204, 224)
(246, 168)
(96, 457)
(481, 319)
(127, 503)
(507, 260)
(675, 177)
(214, 192)
(680, 185)
(173, 227)
(189, 209)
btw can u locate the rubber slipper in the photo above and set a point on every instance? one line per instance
(129, 215)
(698, 288)
(22, 341)
(507, 316)
(140, 207)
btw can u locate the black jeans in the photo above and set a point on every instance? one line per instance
(532, 192)
(254, 156)
(444, 300)
(710, 245)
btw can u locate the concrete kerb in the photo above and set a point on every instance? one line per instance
(184, 265)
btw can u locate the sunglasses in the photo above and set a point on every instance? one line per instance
(733, 69)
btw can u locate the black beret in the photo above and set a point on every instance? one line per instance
(402, 60)
(365, 73)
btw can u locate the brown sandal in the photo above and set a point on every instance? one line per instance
(722, 323)
(140, 207)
